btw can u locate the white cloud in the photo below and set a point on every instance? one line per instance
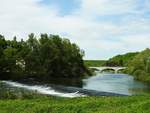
(108, 7)
(22, 17)
(136, 42)
(105, 38)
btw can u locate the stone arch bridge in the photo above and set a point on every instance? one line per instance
(101, 69)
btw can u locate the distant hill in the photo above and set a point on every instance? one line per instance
(94, 63)
(121, 60)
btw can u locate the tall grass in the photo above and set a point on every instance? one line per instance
(136, 104)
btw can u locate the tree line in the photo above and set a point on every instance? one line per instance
(41, 57)
(121, 60)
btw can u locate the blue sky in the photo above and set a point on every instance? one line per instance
(102, 28)
(65, 7)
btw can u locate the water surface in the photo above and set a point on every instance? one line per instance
(116, 83)
(101, 82)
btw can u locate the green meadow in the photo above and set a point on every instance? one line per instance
(131, 104)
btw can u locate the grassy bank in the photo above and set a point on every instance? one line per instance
(135, 104)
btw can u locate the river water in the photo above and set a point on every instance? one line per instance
(115, 83)
(101, 82)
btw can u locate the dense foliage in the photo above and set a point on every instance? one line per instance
(45, 57)
(140, 66)
(121, 60)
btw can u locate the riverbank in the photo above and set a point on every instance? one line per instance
(133, 104)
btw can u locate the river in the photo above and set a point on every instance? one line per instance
(115, 83)
(99, 85)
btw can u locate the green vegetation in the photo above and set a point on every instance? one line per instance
(45, 57)
(133, 104)
(94, 63)
(121, 60)
(138, 64)
(139, 67)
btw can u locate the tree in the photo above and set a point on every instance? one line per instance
(140, 66)
(43, 58)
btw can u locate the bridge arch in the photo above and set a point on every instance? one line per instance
(107, 69)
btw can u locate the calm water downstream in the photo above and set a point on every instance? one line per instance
(113, 83)
(116, 83)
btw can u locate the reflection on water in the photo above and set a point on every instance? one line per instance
(107, 82)
(67, 82)
(116, 83)
(75, 82)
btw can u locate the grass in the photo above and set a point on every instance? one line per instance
(43, 104)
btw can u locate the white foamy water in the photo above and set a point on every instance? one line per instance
(44, 90)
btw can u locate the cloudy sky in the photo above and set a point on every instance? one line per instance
(103, 28)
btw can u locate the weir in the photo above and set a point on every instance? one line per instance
(61, 91)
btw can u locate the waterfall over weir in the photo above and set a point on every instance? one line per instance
(44, 90)
(61, 91)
